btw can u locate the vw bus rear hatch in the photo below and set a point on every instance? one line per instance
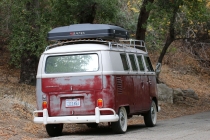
(70, 82)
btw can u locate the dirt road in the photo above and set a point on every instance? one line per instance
(191, 127)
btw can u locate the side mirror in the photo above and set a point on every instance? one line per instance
(158, 68)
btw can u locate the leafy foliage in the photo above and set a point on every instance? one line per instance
(32, 19)
(29, 25)
(4, 20)
(127, 16)
(188, 14)
(68, 12)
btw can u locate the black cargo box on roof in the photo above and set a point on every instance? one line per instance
(82, 31)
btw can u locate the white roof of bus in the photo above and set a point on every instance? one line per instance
(90, 48)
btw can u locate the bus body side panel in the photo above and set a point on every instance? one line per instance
(125, 92)
(146, 102)
(153, 86)
(138, 93)
(128, 86)
(39, 93)
(133, 93)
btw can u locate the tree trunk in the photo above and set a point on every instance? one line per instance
(28, 69)
(29, 61)
(88, 15)
(170, 37)
(169, 40)
(142, 20)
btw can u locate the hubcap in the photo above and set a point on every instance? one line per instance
(122, 119)
(153, 113)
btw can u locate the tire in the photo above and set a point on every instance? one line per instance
(150, 118)
(120, 126)
(54, 130)
(92, 125)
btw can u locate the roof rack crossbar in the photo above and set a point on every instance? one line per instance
(59, 43)
(137, 44)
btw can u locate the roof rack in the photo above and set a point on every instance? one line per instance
(137, 44)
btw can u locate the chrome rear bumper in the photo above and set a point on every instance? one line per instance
(97, 118)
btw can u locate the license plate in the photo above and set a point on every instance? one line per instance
(72, 102)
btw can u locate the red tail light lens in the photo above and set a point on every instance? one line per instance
(44, 105)
(100, 103)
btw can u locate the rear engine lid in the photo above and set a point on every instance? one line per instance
(72, 83)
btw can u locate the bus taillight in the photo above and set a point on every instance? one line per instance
(44, 105)
(100, 103)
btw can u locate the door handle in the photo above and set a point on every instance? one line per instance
(142, 84)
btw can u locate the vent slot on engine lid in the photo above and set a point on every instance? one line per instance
(119, 84)
(82, 31)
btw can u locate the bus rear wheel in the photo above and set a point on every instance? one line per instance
(54, 130)
(150, 118)
(120, 126)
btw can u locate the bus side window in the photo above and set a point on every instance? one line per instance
(124, 61)
(140, 62)
(133, 62)
(148, 64)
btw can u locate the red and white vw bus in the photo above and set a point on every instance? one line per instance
(90, 76)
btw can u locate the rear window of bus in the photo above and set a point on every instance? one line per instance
(72, 63)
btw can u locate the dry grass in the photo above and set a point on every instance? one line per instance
(199, 83)
(181, 70)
